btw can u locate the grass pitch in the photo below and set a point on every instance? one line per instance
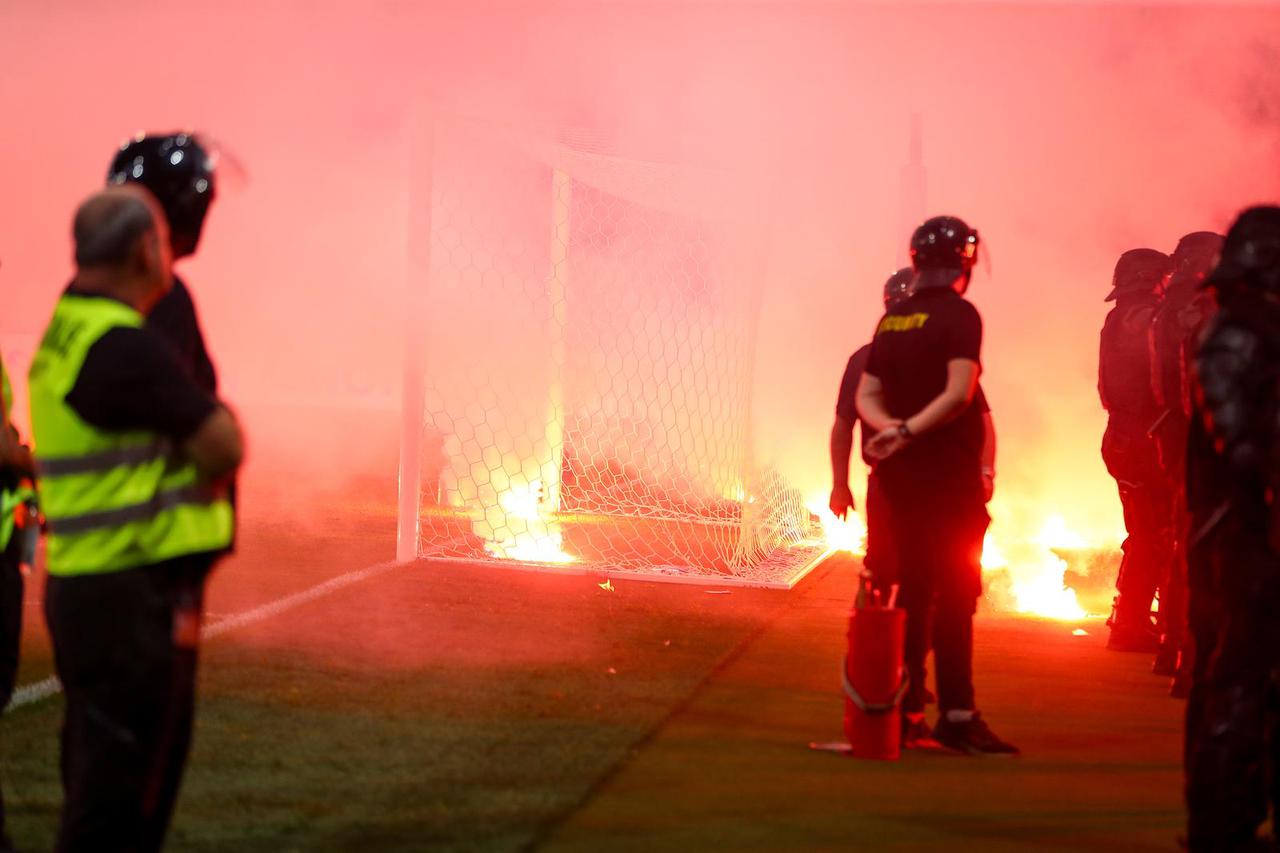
(439, 707)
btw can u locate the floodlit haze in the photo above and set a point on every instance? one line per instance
(1065, 133)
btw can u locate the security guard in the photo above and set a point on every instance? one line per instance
(1233, 477)
(1124, 384)
(1183, 314)
(918, 394)
(16, 474)
(133, 457)
(880, 560)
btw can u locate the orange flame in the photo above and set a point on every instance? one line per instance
(526, 532)
(842, 534)
(1034, 573)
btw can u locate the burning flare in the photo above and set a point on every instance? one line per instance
(841, 534)
(1033, 570)
(524, 530)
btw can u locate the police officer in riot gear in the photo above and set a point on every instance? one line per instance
(1175, 333)
(1233, 475)
(1124, 371)
(178, 170)
(918, 394)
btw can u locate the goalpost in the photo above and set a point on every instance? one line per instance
(579, 366)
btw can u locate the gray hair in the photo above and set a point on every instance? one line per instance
(108, 226)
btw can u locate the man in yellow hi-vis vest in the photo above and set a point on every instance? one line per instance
(16, 474)
(133, 459)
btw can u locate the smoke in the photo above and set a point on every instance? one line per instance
(1065, 134)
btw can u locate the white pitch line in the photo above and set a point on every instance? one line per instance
(29, 694)
(266, 611)
(38, 691)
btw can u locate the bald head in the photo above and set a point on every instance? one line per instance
(122, 245)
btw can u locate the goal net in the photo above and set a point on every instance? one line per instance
(585, 335)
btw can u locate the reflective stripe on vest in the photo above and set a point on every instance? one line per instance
(113, 500)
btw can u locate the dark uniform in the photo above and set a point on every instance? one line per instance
(933, 484)
(1175, 333)
(1233, 462)
(174, 319)
(179, 172)
(881, 559)
(1130, 454)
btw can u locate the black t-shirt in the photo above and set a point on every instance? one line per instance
(847, 403)
(132, 379)
(174, 318)
(913, 345)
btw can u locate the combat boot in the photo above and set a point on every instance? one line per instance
(1133, 637)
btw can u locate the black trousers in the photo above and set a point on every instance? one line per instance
(938, 526)
(1232, 750)
(10, 628)
(126, 650)
(1132, 458)
(881, 559)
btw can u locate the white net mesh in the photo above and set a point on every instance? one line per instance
(587, 361)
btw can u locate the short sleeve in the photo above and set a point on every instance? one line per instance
(132, 379)
(964, 334)
(875, 359)
(847, 402)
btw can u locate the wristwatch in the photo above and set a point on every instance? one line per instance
(904, 430)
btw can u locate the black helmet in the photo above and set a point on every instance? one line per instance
(179, 172)
(1192, 259)
(944, 242)
(942, 251)
(1139, 271)
(1251, 253)
(898, 287)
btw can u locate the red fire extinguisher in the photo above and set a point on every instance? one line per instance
(874, 679)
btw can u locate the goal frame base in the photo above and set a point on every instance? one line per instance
(572, 570)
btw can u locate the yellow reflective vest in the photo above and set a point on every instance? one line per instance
(9, 498)
(112, 500)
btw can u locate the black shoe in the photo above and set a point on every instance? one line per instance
(973, 736)
(916, 731)
(929, 697)
(1133, 638)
